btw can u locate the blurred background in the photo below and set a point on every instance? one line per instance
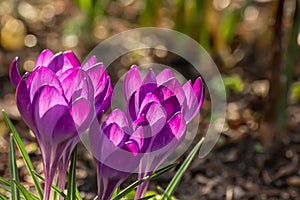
(255, 44)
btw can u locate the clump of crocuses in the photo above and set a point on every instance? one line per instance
(60, 99)
(57, 101)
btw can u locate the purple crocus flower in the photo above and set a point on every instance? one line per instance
(162, 107)
(56, 100)
(115, 147)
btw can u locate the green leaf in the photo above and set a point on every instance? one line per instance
(71, 194)
(15, 195)
(148, 197)
(55, 197)
(116, 192)
(54, 187)
(175, 181)
(5, 182)
(131, 187)
(2, 197)
(27, 195)
(24, 154)
(78, 197)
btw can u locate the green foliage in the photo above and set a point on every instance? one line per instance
(295, 91)
(71, 195)
(234, 83)
(24, 154)
(13, 170)
(176, 179)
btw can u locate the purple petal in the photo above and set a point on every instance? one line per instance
(171, 106)
(164, 76)
(81, 112)
(163, 93)
(40, 77)
(91, 62)
(138, 136)
(57, 62)
(98, 76)
(149, 78)
(65, 128)
(192, 105)
(132, 81)
(170, 136)
(48, 106)
(177, 125)
(14, 74)
(78, 85)
(156, 117)
(198, 88)
(115, 134)
(24, 103)
(71, 60)
(173, 85)
(74, 121)
(141, 121)
(44, 58)
(132, 106)
(118, 117)
(150, 97)
(108, 97)
(71, 83)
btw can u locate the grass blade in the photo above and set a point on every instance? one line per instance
(71, 194)
(54, 187)
(78, 197)
(55, 197)
(136, 183)
(27, 195)
(15, 195)
(2, 197)
(148, 197)
(174, 182)
(4, 182)
(24, 154)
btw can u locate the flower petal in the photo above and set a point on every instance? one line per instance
(14, 74)
(173, 85)
(192, 105)
(132, 81)
(115, 134)
(90, 63)
(171, 135)
(24, 103)
(98, 76)
(70, 60)
(57, 62)
(163, 93)
(74, 121)
(40, 77)
(171, 106)
(164, 76)
(44, 58)
(48, 106)
(118, 117)
(198, 88)
(156, 117)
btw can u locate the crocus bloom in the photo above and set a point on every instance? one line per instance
(56, 100)
(115, 147)
(162, 107)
